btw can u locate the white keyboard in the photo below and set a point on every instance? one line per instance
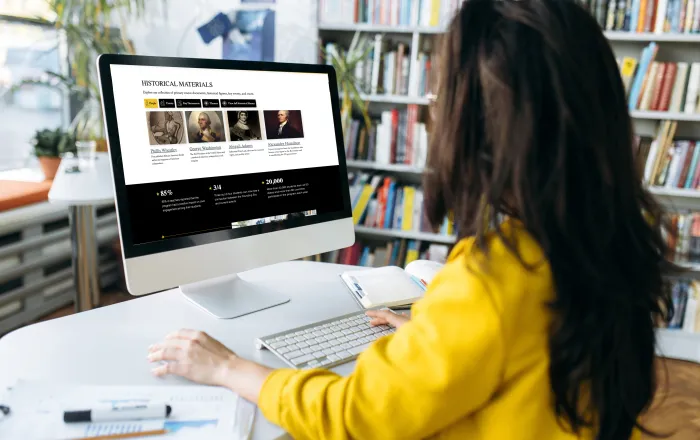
(325, 343)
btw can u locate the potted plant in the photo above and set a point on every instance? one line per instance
(49, 145)
(90, 28)
(345, 63)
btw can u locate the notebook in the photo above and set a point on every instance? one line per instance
(390, 286)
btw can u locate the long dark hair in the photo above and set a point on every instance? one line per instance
(531, 121)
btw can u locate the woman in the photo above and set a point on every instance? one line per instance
(541, 325)
(241, 131)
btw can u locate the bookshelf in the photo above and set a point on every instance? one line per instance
(674, 47)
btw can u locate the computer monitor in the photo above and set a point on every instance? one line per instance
(220, 167)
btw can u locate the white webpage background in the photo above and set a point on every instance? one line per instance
(307, 92)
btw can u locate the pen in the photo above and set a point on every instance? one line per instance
(112, 413)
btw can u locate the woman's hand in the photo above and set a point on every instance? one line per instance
(193, 355)
(200, 358)
(387, 317)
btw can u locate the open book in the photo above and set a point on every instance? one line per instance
(391, 286)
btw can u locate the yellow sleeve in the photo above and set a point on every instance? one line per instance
(441, 366)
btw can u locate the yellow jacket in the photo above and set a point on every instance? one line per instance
(471, 364)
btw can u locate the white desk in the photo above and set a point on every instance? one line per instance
(107, 346)
(81, 191)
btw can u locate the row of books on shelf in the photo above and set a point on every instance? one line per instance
(398, 252)
(396, 138)
(657, 16)
(683, 237)
(387, 70)
(660, 86)
(384, 203)
(685, 295)
(425, 13)
(668, 162)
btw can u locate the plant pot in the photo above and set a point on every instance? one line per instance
(101, 145)
(49, 166)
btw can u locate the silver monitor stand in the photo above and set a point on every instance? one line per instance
(230, 296)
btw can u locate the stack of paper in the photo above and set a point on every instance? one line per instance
(198, 412)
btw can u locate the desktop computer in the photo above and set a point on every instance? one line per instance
(220, 167)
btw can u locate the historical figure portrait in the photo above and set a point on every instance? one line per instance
(283, 124)
(205, 126)
(165, 127)
(244, 125)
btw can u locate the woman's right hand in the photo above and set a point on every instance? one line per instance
(387, 317)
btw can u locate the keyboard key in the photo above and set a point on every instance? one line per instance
(337, 334)
(384, 327)
(345, 354)
(283, 350)
(335, 328)
(328, 352)
(357, 343)
(367, 332)
(343, 339)
(278, 344)
(326, 362)
(293, 354)
(292, 347)
(347, 331)
(365, 339)
(386, 333)
(343, 326)
(306, 350)
(300, 338)
(326, 331)
(313, 363)
(302, 359)
(302, 344)
(337, 350)
(317, 333)
(359, 349)
(333, 357)
(320, 339)
(290, 341)
(346, 345)
(374, 337)
(376, 330)
(325, 345)
(319, 354)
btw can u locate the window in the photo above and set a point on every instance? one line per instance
(28, 48)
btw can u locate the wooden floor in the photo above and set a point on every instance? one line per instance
(676, 409)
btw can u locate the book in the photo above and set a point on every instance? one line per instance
(667, 86)
(691, 97)
(390, 286)
(658, 78)
(679, 88)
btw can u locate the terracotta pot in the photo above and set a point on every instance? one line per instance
(101, 145)
(49, 166)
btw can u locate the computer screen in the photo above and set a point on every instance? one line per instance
(214, 154)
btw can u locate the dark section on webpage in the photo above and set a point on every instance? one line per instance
(166, 103)
(179, 208)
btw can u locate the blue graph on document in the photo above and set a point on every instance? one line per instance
(100, 429)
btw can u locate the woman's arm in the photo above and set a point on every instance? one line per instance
(202, 359)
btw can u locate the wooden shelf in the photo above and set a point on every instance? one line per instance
(675, 116)
(646, 37)
(409, 235)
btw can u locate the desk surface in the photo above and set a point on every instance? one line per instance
(88, 187)
(115, 353)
